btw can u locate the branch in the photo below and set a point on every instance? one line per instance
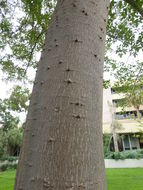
(136, 79)
(135, 6)
(31, 53)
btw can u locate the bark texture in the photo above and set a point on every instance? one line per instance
(62, 144)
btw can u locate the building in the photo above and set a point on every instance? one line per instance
(130, 134)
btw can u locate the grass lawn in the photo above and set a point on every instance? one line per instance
(117, 179)
(125, 179)
(7, 180)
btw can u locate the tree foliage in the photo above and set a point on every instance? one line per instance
(10, 127)
(17, 102)
(130, 84)
(23, 25)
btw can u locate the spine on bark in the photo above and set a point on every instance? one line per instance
(60, 62)
(69, 81)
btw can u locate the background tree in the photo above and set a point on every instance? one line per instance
(11, 130)
(130, 84)
(115, 125)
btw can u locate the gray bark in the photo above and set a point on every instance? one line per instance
(62, 145)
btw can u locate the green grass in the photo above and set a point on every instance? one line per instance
(117, 179)
(125, 179)
(7, 180)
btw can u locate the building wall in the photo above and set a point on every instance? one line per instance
(107, 99)
(128, 163)
(128, 125)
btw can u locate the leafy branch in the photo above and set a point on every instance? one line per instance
(31, 53)
(137, 5)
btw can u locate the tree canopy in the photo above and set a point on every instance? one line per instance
(24, 23)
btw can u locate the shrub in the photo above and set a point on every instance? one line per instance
(130, 154)
(109, 155)
(8, 166)
(14, 166)
(4, 167)
(116, 155)
(9, 158)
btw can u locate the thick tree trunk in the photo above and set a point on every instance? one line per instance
(62, 145)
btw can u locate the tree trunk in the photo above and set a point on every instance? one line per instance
(138, 113)
(62, 145)
(115, 141)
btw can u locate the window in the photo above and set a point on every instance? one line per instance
(129, 142)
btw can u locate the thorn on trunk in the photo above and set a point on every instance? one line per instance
(77, 41)
(30, 165)
(77, 116)
(56, 109)
(60, 62)
(81, 186)
(69, 81)
(32, 179)
(68, 69)
(78, 104)
(51, 140)
(73, 4)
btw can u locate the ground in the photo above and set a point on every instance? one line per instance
(117, 179)
(125, 179)
(7, 180)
